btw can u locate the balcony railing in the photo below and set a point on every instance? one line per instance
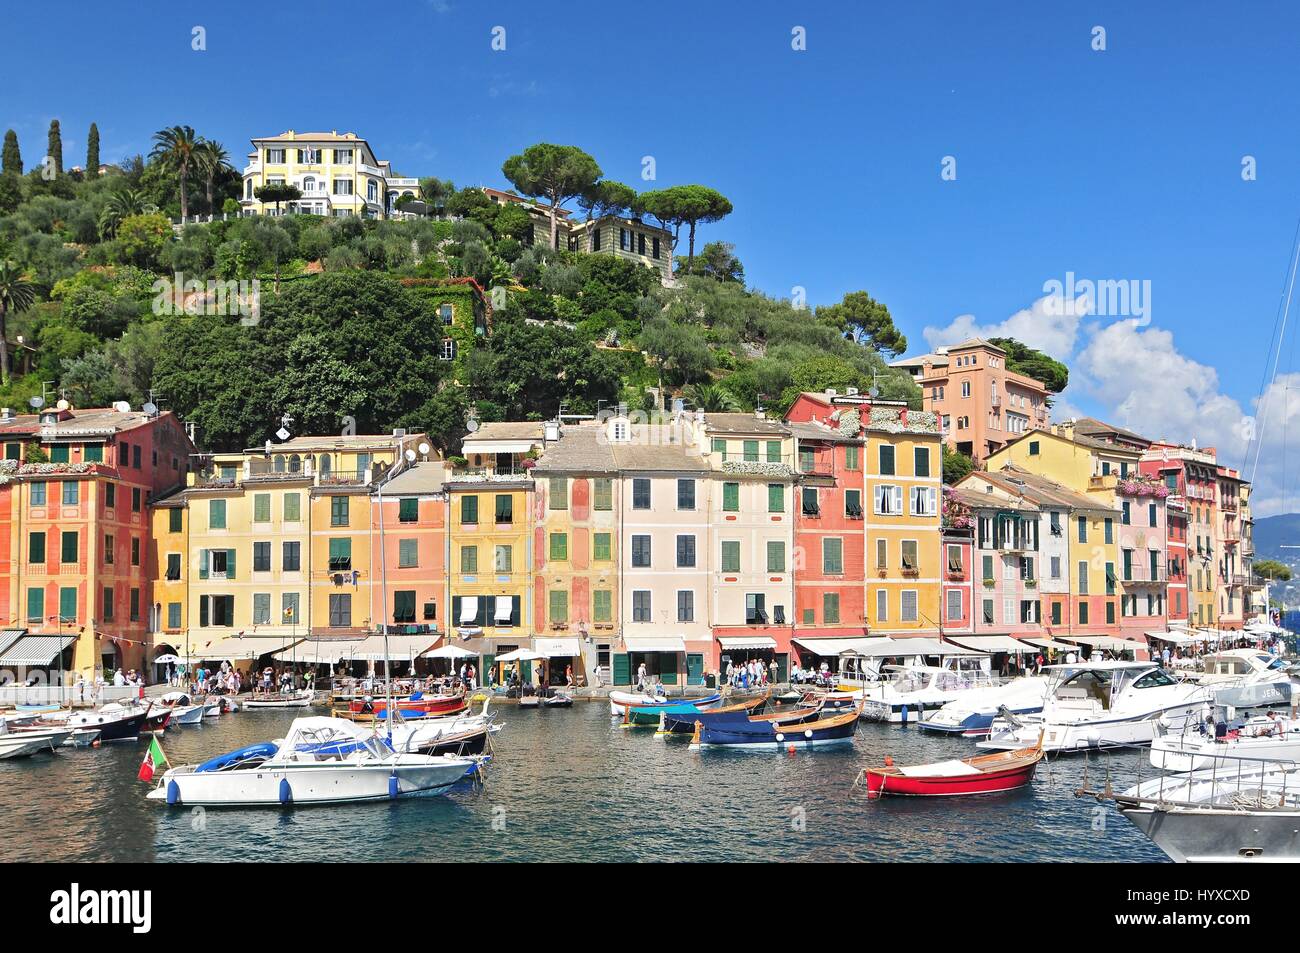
(1145, 574)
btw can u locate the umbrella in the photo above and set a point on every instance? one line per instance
(520, 655)
(167, 659)
(450, 651)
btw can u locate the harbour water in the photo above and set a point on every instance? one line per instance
(571, 785)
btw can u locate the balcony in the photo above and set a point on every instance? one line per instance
(1149, 575)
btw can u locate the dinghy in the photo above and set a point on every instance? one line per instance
(298, 699)
(774, 734)
(982, 774)
(680, 719)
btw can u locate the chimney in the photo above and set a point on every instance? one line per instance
(6, 413)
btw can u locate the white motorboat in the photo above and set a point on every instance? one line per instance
(15, 745)
(1263, 737)
(45, 737)
(320, 761)
(298, 699)
(1246, 678)
(1245, 813)
(971, 715)
(423, 734)
(184, 710)
(912, 690)
(1092, 705)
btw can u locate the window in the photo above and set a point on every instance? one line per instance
(261, 557)
(342, 186)
(755, 608)
(853, 504)
(448, 352)
(340, 610)
(339, 515)
(291, 556)
(806, 460)
(408, 510)
(907, 611)
(809, 503)
(833, 556)
(110, 495)
(1056, 613)
(889, 500)
(775, 498)
(67, 604)
(686, 494)
(922, 458)
(641, 493)
(503, 558)
(173, 566)
(340, 554)
(1083, 613)
(559, 606)
(469, 560)
(882, 553)
(106, 604)
(641, 552)
(292, 508)
(408, 553)
(774, 451)
(640, 605)
(216, 514)
(505, 509)
(469, 510)
(882, 605)
(289, 608)
(886, 460)
(831, 607)
(1083, 529)
(261, 507)
(558, 493)
(685, 552)
(775, 555)
(71, 493)
(36, 548)
(731, 555)
(69, 547)
(924, 501)
(954, 559)
(685, 605)
(601, 547)
(986, 612)
(1109, 527)
(954, 605)
(851, 460)
(602, 606)
(261, 608)
(559, 547)
(447, 313)
(173, 615)
(1083, 577)
(907, 552)
(731, 497)
(604, 494)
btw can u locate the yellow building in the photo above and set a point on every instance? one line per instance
(903, 475)
(337, 175)
(167, 564)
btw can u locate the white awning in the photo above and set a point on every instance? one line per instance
(468, 609)
(827, 647)
(906, 646)
(991, 643)
(472, 446)
(1177, 638)
(401, 648)
(1046, 643)
(1107, 642)
(319, 652)
(504, 609)
(655, 643)
(754, 642)
(1265, 628)
(36, 650)
(519, 655)
(557, 648)
(234, 648)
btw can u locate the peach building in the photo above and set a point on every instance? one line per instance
(981, 405)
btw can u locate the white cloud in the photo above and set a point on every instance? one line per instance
(1050, 325)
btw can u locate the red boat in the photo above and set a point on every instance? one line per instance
(413, 706)
(983, 774)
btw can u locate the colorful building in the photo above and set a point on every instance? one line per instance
(1190, 476)
(409, 513)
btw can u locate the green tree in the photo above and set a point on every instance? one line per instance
(555, 173)
(956, 465)
(122, 202)
(11, 159)
(277, 192)
(55, 148)
(685, 205)
(867, 321)
(711, 398)
(92, 152)
(718, 261)
(436, 192)
(1272, 569)
(1022, 359)
(17, 293)
(211, 161)
(142, 238)
(11, 193)
(607, 197)
(175, 148)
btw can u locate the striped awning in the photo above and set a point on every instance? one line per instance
(36, 650)
(753, 642)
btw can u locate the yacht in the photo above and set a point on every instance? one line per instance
(1246, 678)
(912, 690)
(1268, 738)
(1092, 705)
(321, 760)
(971, 715)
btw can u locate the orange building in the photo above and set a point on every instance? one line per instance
(410, 550)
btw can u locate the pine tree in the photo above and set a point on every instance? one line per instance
(55, 150)
(92, 152)
(12, 160)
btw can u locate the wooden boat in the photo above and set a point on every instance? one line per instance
(646, 715)
(773, 734)
(982, 774)
(298, 699)
(680, 719)
(413, 706)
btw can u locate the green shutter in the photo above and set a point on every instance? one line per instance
(601, 603)
(775, 555)
(731, 497)
(559, 547)
(408, 510)
(67, 603)
(230, 564)
(559, 608)
(292, 508)
(203, 564)
(601, 551)
(775, 498)
(35, 605)
(261, 507)
(622, 669)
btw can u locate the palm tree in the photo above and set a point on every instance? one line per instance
(176, 148)
(711, 398)
(121, 203)
(212, 160)
(17, 293)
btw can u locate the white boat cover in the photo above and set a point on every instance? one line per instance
(468, 609)
(557, 648)
(757, 642)
(937, 770)
(655, 643)
(991, 643)
(503, 609)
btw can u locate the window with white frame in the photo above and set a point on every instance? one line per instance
(275, 157)
(448, 349)
(889, 500)
(925, 500)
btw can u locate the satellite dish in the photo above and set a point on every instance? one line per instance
(36, 402)
(150, 408)
(424, 449)
(410, 455)
(874, 391)
(62, 405)
(471, 425)
(282, 434)
(122, 407)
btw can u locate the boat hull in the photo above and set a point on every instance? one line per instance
(1064, 737)
(1220, 836)
(775, 736)
(993, 782)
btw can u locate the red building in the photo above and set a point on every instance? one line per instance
(958, 543)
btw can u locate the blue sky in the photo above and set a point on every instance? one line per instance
(1121, 164)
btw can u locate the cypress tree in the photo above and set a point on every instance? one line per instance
(12, 159)
(92, 152)
(55, 150)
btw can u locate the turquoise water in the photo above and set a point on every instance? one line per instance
(571, 785)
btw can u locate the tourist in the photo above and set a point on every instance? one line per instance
(80, 688)
(568, 676)
(640, 677)
(1165, 656)
(118, 679)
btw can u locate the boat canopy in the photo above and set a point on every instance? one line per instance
(36, 650)
(655, 643)
(754, 642)
(557, 648)
(992, 643)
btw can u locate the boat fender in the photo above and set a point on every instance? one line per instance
(807, 732)
(780, 737)
(904, 714)
(173, 792)
(392, 786)
(286, 794)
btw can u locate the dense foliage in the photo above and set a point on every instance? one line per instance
(1022, 359)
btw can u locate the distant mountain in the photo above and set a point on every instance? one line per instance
(1271, 532)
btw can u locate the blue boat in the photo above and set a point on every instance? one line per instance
(775, 735)
(680, 719)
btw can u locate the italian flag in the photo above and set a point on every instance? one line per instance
(153, 758)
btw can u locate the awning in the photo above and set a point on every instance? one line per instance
(36, 650)
(468, 609)
(504, 609)
(827, 647)
(233, 648)
(557, 648)
(1176, 638)
(1046, 643)
(9, 636)
(655, 643)
(1265, 628)
(319, 651)
(755, 642)
(991, 643)
(401, 648)
(1107, 642)
(519, 655)
(883, 647)
(451, 652)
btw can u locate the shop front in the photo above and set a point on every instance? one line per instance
(738, 651)
(561, 658)
(658, 658)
